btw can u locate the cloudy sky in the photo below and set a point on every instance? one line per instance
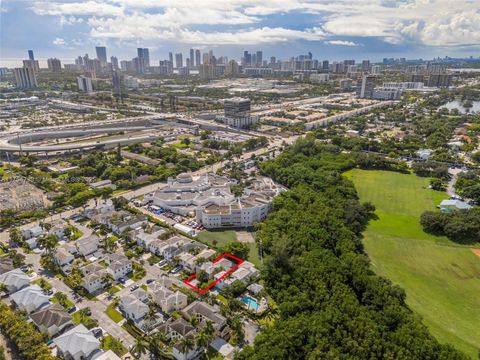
(332, 30)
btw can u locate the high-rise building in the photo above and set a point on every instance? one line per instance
(126, 66)
(114, 61)
(25, 77)
(94, 66)
(232, 68)
(101, 54)
(116, 82)
(247, 59)
(365, 90)
(237, 112)
(439, 80)
(138, 65)
(85, 84)
(30, 55)
(197, 58)
(365, 65)
(325, 65)
(192, 58)
(259, 58)
(165, 68)
(170, 57)
(33, 64)
(178, 60)
(79, 61)
(54, 65)
(348, 62)
(376, 69)
(146, 57)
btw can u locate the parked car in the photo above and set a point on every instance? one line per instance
(162, 263)
(176, 270)
(149, 281)
(97, 332)
(72, 309)
(134, 287)
(121, 280)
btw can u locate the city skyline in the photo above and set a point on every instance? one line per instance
(330, 30)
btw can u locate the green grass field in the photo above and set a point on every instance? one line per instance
(441, 278)
(113, 313)
(221, 238)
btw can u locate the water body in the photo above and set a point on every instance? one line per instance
(458, 105)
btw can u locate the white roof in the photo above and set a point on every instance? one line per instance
(79, 339)
(224, 348)
(108, 355)
(457, 203)
(15, 277)
(30, 295)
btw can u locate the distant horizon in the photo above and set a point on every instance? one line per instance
(333, 30)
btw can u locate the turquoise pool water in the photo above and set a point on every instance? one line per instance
(251, 303)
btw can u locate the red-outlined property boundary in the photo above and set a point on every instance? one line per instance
(212, 284)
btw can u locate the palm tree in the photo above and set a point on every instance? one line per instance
(49, 242)
(150, 317)
(194, 321)
(203, 340)
(139, 348)
(186, 344)
(209, 329)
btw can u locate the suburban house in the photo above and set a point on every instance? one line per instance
(94, 275)
(205, 312)
(30, 298)
(118, 265)
(77, 344)
(58, 229)
(63, 257)
(226, 350)
(122, 221)
(145, 239)
(133, 307)
(177, 330)
(190, 262)
(88, 245)
(33, 231)
(14, 280)
(168, 300)
(52, 319)
(162, 281)
(246, 273)
(172, 247)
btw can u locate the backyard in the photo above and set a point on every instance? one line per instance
(220, 238)
(441, 278)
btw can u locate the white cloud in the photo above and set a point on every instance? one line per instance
(59, 42)
(425, 22)
(341, 43)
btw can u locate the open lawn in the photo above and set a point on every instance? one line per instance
(113, 313)
(220, 238)
(441, 278)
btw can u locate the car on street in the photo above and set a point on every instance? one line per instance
(134, 287)
(162, 263)
(72, 309)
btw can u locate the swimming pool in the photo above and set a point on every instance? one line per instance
(251, 303)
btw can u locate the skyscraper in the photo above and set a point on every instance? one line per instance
(54, 65)
(259, 58)
(365, 90)
(325, 65)
(25, 77)
(85, 84)
(178, 60)
(114, 62)
(101, 54)
(192, 58)
(146, 57)
(170, 57)
(365, 65)
(197, 58)
(143, 59)
(116, 82)
(30, 55)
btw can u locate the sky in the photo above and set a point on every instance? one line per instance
(334, 30)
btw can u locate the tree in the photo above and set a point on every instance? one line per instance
(49, 242)
(237, 249)
(186, 344)
(139, 348)
(203, 340)
(15, 237)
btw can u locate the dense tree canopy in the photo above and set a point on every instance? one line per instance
(331, 304)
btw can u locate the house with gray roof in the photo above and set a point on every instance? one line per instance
(88, 245)
(118, 265)
(30, 298)
(133, 308)
(14, 280)
(93, 277)
(52, 319)
(205, 312)
(6, 264)
(77, 344)
(168, 300)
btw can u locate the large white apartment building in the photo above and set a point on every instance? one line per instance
(209, 199)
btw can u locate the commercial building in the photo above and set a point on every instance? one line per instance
(210, 199)
(197, 58)
(386, 94)
(237, 113)
(178, 60)
(25, 77)
(101, 54)
(85, 84)
(365, 90)
(319, 78)
(54, 65)
(439, 80)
